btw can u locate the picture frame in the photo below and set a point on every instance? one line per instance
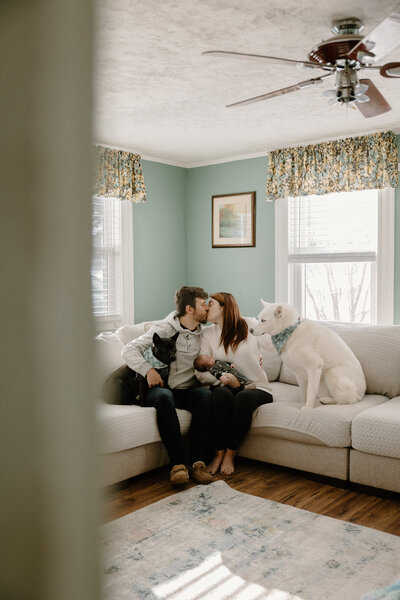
(233, 218)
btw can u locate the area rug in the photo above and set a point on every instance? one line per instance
(214, 543)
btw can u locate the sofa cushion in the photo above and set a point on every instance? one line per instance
(376, 431)
(272, 364)
(286, 375)
(107, 351)
(149, 324)
(329, 425)
(377, 347)
(127, 333)
(125, 427)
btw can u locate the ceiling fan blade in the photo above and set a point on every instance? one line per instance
(287, 90)
(390, 70)
(273, 59)
(377, 104)
(382, 40)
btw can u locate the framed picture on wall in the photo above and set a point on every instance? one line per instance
(234, 220)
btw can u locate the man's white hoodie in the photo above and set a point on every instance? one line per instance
(181, 373)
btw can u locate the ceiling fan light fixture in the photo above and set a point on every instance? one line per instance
(362, 98)
(361, 88)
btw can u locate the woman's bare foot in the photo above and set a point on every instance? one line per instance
(228, 463)
(216, 462)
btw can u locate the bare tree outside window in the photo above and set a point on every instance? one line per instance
(338, 292)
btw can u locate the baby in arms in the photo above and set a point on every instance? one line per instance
(218, 368)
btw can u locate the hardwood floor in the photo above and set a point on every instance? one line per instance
(273, 483)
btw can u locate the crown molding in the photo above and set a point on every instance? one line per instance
(164, 161)
(226, 159)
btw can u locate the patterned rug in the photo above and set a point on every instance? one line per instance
(214, 543)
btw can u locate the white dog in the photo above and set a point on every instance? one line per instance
(324, 365)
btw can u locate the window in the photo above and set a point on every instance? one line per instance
(112, 262)
(335, 255)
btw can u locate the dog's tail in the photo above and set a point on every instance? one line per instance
(342, 388)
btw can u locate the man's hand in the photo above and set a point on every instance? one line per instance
(154, 378)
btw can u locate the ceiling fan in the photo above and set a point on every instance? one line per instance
(344, 55)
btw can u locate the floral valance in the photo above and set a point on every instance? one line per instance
(359, 163)
(119, 174)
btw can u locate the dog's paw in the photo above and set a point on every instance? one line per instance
(327, 400)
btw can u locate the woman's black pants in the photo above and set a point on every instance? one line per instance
(231, 414)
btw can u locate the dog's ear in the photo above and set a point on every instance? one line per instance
(156, 338)
(278, 312)
(263, 302)
(175, 337)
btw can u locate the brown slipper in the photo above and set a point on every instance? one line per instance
(179, 474)
(199, 473)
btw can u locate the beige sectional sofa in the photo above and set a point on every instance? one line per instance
(358, 443)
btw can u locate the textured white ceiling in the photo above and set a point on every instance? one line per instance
(156, 95)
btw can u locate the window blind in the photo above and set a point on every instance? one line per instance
(340, 227)
(106, 256)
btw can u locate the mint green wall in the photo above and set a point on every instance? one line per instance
(248, 273)
(172, 238)
(159, 241)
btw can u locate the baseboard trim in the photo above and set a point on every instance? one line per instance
(339, 483)
(373, 491)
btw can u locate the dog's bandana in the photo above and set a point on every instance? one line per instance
(280, 339)
(152, 360)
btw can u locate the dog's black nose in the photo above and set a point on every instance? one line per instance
(251, 331)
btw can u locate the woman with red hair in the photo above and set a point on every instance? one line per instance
(232, 406)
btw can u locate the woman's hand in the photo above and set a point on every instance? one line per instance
(230, 380)
(224, 379)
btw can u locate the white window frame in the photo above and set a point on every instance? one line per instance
(128, 301)
(127, 316)
(288, 291)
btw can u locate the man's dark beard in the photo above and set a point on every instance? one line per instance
(202, 319)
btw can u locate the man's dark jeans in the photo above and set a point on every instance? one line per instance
(196, 400)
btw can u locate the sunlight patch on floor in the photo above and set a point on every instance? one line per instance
(211, 580)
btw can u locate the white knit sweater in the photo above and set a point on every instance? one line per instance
(246, 358)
